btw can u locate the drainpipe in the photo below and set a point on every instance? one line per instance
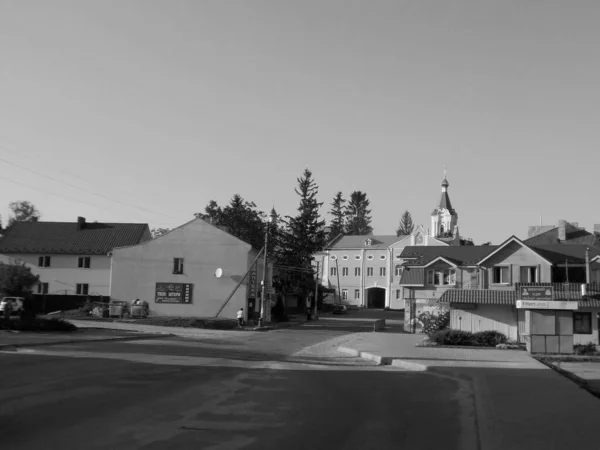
(587, 265)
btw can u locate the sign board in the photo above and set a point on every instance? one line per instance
(252, 286)
(173, 293)
(536, 292)
(546, 304)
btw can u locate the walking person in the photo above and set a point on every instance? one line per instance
(240, 317)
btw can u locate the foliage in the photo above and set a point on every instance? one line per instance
(38, 324)
(467, 241)
(338, 221)
(156, 232)
(406, 226)
(16, 279)
(487, 243)
(358, 214)
(490, 338)
(585, 349)
(23, 211)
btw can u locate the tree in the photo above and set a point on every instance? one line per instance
(212, 212)
(156, 232)
(466, 241)
(358, 214)
(338, 220)
(17, 279)
(23, 211)
(406, 226)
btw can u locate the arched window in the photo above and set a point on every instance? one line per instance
(441, 228)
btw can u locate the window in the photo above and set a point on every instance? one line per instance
(83, 262)
(582, 322)
(370, 257)
(528, 275)
(446, 277)
(368, 242)
(369, 271)
(42, 288)
(356, 294)
(344, 294)
(333, 271)
(398, 271)
(82, 289)
(357, 271)
(178, 265)
(44, 261)
(382, 257)
(500, 275)
(344, 271)
(397, 294)
(357, 257)
(333, 257)
(382, 271)
(345, 257)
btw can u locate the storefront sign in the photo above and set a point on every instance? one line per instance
(545, 304)
(536, 292)
(174, 293)
(252, 287)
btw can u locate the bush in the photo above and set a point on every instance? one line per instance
(585, 349)
(490, 338)
(38, 324)
(452, 337)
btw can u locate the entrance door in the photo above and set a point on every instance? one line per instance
(376, 298)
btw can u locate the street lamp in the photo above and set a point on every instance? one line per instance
(271, 219)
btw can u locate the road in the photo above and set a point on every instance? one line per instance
(281, 389)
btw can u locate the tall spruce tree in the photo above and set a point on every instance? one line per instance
(406, 225)
(305, 233)
(358, 214)
(337, 225)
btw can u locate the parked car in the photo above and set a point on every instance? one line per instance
(16, 304)
(339, 309)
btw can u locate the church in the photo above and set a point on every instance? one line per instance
(365, 271)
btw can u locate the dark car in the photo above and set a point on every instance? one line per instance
(339, 309)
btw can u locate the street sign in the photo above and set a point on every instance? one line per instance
(546, 304)
(536, 292)
(173, 293)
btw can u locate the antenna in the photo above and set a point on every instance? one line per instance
(540, 220)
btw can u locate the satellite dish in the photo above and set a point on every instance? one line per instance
(219, 273)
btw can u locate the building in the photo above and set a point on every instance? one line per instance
(71, 258)
(191, 271)
(476, 288)
(569, 233)
(365, 270)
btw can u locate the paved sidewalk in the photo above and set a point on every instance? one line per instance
(400, 350)
(585, 373)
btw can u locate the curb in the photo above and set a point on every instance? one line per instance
(80, 341)
(580, 382)
(385, 360)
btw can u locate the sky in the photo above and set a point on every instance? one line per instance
(144, 111)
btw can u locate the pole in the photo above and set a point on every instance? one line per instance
(239, 284)
(337, 270)
(587, 265)
(316, 290)
(261, 321)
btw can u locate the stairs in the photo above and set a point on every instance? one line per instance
(441, 323)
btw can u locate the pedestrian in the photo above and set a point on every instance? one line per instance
(240, 317)
(308, 308)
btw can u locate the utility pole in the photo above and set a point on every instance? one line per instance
(261, 320)
(316, 290)
(337, 271)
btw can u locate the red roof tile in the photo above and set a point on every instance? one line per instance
(66, 238)
(479, 296)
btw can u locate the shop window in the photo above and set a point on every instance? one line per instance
(582, 322)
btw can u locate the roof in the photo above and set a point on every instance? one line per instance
(66, 238)
(559, 253)
(445, 202)
(413, 277)
(377, 242)
(573, 234)
(461, 255)
(518, 241)
(479, 296)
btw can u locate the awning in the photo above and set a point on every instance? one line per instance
(412, 277)
(479, 296)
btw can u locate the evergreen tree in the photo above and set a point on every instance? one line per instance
(337, 212)
(406, 225)
(358, 214)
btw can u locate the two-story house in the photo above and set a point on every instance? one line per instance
(476, 287)
(71, 258)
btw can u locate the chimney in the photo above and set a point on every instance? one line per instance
(80, 223)
(562, 231)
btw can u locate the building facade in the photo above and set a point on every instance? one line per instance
(191, 271)
(476, 288)
(365, 271)
(70, 258)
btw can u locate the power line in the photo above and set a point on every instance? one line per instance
(45, 191)
(86, 190)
